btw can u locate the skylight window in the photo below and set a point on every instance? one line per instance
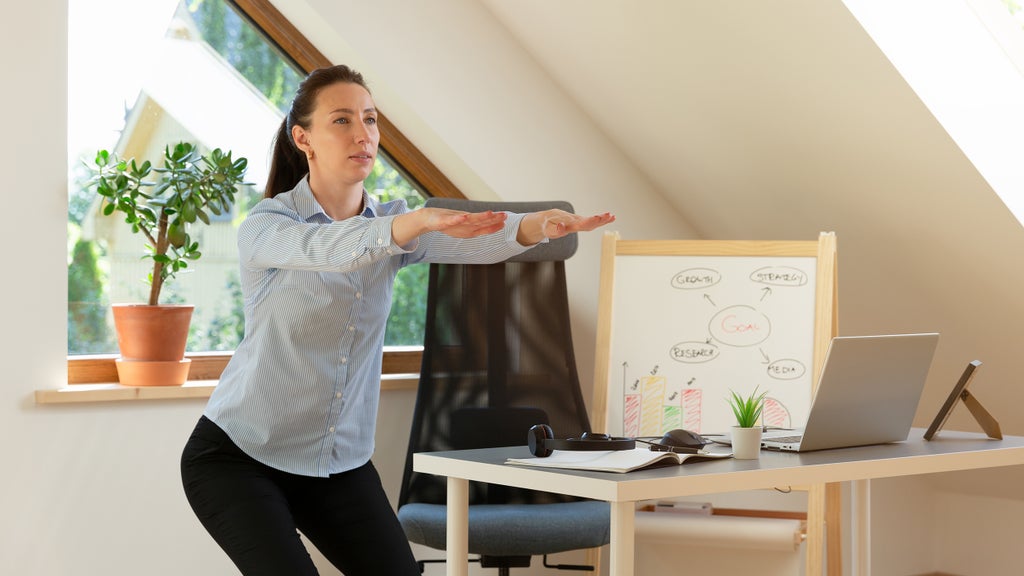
(965, 61)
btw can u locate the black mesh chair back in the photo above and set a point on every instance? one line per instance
(498, 359)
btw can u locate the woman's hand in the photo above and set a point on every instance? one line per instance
(556, 223)
(455, 223)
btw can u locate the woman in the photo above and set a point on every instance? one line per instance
(284, 444)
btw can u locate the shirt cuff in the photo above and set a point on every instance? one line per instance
(512, 230)
(381, 238)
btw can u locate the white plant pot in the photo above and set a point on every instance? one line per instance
(746, 443)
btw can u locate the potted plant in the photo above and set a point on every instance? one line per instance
(746, 434)
(161, 204)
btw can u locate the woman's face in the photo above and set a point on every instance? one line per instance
(343, 134)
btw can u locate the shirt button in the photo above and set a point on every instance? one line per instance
(359, 295)
(351, 328)
(331, 429)
(380, 241)
(344, 360)
(337, 395)
(354, 254)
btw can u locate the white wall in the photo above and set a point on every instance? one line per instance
(920, 526)
(977, 535)
(903, 522)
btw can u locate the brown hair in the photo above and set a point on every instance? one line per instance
(288, 164)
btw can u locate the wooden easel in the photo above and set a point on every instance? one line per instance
(823, 508)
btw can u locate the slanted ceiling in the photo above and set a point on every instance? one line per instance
(763, 120)
(755, 118)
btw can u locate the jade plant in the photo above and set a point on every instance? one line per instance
(162, 203)
(747, 409)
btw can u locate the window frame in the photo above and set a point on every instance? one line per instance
(405, 157)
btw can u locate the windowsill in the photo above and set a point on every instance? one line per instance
(106, 392)
(75, 393)
(94, 378)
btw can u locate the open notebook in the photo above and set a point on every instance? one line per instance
(614, 460)
(867, 394)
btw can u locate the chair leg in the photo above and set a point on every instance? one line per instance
(567, 566)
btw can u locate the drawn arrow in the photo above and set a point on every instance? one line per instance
(765, 292)
(708, 298)
(765, 356)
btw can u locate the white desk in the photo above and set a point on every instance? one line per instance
(948, 451)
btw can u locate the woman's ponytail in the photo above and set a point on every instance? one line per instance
(287, 164)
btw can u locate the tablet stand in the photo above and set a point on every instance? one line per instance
(960, 392)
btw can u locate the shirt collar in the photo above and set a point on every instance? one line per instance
(307, 206)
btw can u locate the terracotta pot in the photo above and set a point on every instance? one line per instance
(152, 343)
(158, 373)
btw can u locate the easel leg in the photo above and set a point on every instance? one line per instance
(593, 558)
(815, 529)
(824, 534)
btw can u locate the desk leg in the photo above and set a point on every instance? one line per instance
(622, 553)
(861, 502)
(457, 529)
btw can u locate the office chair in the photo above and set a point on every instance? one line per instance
(498, 359)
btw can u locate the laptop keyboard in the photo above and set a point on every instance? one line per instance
(785, 439)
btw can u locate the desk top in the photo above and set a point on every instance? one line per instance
(947, 451)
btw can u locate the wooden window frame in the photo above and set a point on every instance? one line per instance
(407, 158)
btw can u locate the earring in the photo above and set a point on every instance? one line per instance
(309, 154)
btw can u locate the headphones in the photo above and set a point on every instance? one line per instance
(542, 441)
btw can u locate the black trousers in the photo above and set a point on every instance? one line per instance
(255, 512)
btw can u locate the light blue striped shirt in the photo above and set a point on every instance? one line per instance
(300, 393)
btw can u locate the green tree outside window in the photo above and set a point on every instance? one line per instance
(261, 65)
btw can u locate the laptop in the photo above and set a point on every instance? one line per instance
(868, 393)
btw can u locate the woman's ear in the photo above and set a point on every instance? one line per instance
(301, 138)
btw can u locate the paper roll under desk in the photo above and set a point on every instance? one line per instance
(779, 534)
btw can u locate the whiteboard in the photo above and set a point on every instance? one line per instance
(685, 330)
(682, 322)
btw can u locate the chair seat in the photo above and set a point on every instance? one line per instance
(514, 529)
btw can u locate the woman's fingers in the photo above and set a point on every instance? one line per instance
(556, 224)
(468, 224)
(563, 223)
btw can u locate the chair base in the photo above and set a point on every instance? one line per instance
(580, 567)
(505, 563)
